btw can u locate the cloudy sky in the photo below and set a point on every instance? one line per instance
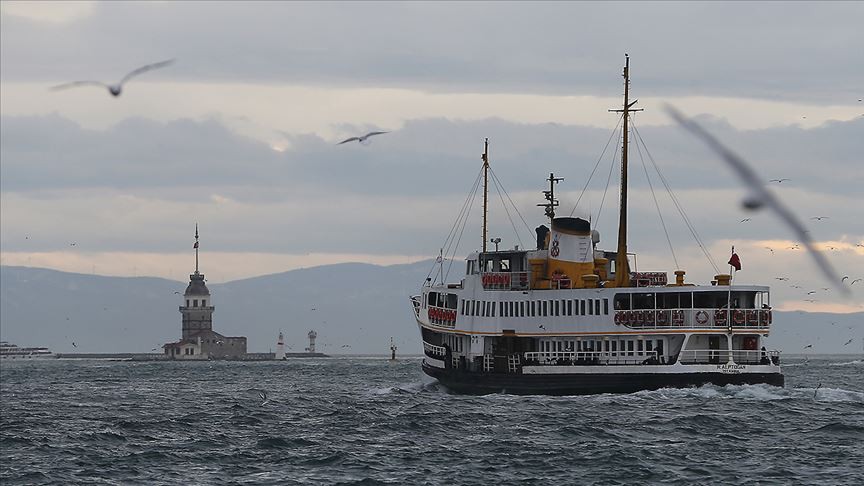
(239, 134)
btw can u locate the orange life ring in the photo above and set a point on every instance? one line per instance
(720, 317)
(650, 317)
(701, 317)
(678, 317)
(662, 320)
(738, 317)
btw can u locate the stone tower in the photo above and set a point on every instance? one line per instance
(198, 311)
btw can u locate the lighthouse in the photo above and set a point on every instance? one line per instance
(280, 347)
(198, 311)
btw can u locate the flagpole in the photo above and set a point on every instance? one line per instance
(729, 296)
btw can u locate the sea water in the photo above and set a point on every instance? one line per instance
(366, 420)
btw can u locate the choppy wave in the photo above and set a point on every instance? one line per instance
(361, 421)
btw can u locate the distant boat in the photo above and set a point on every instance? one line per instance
(11, 351)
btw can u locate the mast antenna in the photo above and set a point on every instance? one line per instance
(551, 203)
(622, 267)
(485, 190)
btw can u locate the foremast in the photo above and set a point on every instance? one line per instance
(622, 267)
(485, 191)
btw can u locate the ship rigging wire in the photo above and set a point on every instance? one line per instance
(597, 164)
(672, 196)
(657, 205)
(609, 178)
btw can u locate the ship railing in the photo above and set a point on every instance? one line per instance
(433, 350)
(415, 304)
(559, 358)
(707, 318)
(441, 316)
(505, 280)
(739, 356)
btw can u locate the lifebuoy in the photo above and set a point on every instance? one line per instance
(662, 320)
(618, 318)
(720, 317)
(738, 316)
(677, 317)
(701, 317)
(752, 317)
(650, 318)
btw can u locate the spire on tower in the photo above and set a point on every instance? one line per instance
(196, 248)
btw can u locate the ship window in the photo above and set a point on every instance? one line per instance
(639, 346)
(614, 348)
(622, 301)
(464, 307)
(649, 345)
(569, 307)
(606, 306)
(709, 300)
(629, 348)
(686, 301)
(545, 308)
(477, 307)
(452, 301)
(493, 308)
(597, 307)
(557, 309)
(590, 307)
(510, 309)
(521, 309)
(643, 301)
(606, 346)
(581, 307)
(533, 312)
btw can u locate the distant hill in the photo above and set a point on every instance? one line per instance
(357, 305)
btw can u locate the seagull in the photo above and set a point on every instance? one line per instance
(346, 345)
(176, 292)
(779, 181)
(361, 139)
(844, 278)
(115, 89)
(541, 326)
(762, 197)
(770, 249)
(263, 396)
(810, 300)
(73, 244)
(795, 286)
(744, 220)
(811, 292)
(808, 346)
(820, 218)
(847, 342)
(781, 278)
(856, 280)
(826, 289)
(74, 345)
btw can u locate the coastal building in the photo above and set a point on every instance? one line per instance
(198, 340)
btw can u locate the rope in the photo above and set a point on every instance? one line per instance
(614, 131)
(657, 205)
(459, 240)
(471, 192)
(499, 190)
(677, 204)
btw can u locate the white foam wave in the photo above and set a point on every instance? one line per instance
(835, 395)
(849, 363)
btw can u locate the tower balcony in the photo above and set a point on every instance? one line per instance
(210, 308)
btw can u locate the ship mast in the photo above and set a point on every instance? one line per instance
(622, 268)
(485, 191)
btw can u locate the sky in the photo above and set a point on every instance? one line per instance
(239, 134)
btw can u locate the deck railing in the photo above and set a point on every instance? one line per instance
(505, 280)
(433, 350)
(694, 318)
(551, 358)
(719, 356)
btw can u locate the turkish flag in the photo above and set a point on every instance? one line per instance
(735, 262)
(196, 247)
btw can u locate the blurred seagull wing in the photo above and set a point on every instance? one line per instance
(749, 177)
(75, 84)
(144, 69)
(348, 140)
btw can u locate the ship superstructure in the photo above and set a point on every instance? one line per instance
(568, 317)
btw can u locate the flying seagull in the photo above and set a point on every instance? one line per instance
(820, 218)
(770, 249)
(361, 139)
(781, 278)
(844, 278)
(808, 346)
(760, 196)
(744, 220)
(779, 181)
(117, 88)
(811, 292)
(856, 280)
(541, 326)
(847, 342)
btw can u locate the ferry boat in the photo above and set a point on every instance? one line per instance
(570, 318)
(11, 351)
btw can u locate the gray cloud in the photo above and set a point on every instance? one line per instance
(801, 51)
